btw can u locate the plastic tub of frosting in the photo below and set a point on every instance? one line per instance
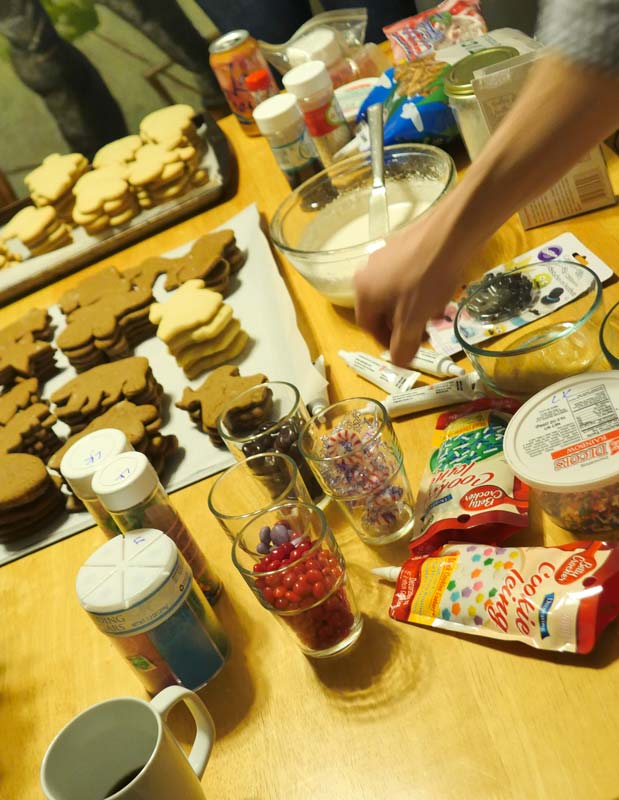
(564, 443)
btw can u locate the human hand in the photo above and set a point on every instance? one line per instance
(409, 281)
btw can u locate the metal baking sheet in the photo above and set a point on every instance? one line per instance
(35, 272)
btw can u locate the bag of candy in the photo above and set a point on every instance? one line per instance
(451, 22)
(552, 598)
(469, 492)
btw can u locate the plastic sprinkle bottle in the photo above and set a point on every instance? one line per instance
(281, 123)
(129, 488)
(80, 463)
(311, 85)
(138, 590)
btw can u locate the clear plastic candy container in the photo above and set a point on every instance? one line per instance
(564, 443)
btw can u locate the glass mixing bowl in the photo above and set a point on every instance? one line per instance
(322, 226)
(609, 336)
(549, 348)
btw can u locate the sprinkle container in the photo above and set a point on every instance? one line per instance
(564, 443)
(80, 463)
(290, 560)
(354, 452)
(138, 590)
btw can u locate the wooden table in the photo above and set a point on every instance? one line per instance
(409, 713)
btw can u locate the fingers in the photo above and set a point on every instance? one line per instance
(408, 327)
(369, 311)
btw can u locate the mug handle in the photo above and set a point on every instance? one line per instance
(165, 701)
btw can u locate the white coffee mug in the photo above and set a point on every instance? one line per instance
(123, 749)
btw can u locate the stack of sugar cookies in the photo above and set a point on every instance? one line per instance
(103, 199)
(38, 229)
(29, 497)
(172, 126)
(7, 257)
(51, 183)
(116, 153)
(160, 173)
(198, 328)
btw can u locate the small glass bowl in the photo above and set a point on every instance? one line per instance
(609, 337)
(322, 227)
(525, 360)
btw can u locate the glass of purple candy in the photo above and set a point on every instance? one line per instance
(272, 428)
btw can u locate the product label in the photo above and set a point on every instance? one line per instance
(323, 120)
(151, 611)
(573, 429)
(294, 156)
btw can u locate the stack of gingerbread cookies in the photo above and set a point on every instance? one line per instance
(29, 496)
(26, 422)
(25, 349)
(198, 328)
(107, 316)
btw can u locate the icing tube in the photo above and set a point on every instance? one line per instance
(445, 393)
(389, 574)
(379, 372)
(318, 403)
(433, 363)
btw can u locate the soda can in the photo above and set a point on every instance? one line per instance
(233, 57)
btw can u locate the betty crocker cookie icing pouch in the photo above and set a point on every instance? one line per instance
(552, 598)
(468, 492)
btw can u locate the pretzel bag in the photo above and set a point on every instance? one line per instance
(552, 598)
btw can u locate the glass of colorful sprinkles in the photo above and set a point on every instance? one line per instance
(289, 558)
(355, 454)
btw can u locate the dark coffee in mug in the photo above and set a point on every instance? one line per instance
(124, 781)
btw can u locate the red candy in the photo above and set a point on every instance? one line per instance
(301, 588)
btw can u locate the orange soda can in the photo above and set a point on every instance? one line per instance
(233, 57)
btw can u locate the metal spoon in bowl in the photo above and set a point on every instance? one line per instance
(378, 208)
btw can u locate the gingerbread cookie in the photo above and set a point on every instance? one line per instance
(206, 403)
(29, 497)
(139, 423)
(25, 351)
(106, 318)
(22, 395)
(88, 395)
(213, 258)
(38, 229)
(30, 431)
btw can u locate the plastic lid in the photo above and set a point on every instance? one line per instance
(566, 437)
(125, 570)
(258, 79)
(319, 45)
(458, 82)
(307, 79)
(89, 454)
(124, 481)
(228, 41)
(277, 112)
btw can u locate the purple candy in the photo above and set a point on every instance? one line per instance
(262, 548)
(264, 535)
(466, 591)
(477, 620)
(280, 533)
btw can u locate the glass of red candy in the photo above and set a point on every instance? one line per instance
(289, 558)
(353, 450)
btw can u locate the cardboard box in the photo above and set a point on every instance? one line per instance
(584, 188)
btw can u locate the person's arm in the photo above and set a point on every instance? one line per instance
(564, 110)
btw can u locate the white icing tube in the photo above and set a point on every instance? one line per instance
(379, 372)
(387, 573)
(433, 363)
(445, 393)
(318, 403)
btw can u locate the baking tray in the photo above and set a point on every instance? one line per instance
(40, 270)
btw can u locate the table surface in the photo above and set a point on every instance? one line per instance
(409, 712)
